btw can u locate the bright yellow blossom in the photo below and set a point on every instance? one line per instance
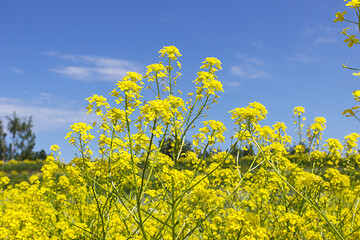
(170, 51)
(299, 110)
(353, 3)
(356, 95)
(55, 148)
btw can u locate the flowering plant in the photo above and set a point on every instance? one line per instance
(133, 190)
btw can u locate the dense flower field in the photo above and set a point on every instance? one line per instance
(134, 191)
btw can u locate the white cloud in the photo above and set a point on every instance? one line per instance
(93, 67)
(44, 118)
(45, 95)
(16, 70)
(323, 35)
(82, 73)
(238, 71)
(326, 40)
(232, 84)
(301, 57)
(248, 71)
(251, 60)
(250, 67)
(50, 53)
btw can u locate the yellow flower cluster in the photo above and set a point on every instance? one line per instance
(299, 110)
(171, 52)
(80, 130)
(211, 133)
(315, 130)
(141, 188)
(356, 95)
(353, 3)
(253, 113)
(339, 17)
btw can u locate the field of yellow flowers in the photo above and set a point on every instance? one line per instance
(133, 191)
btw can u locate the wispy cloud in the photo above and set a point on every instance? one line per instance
(232, 84)
(250, 60)
(248, 71)
(82, 73)
(44, 118)
(250, 67)
(257, 44)
(323, 35)
(15, 70)
(170, 18)
(302, 57)
(92, 68)
(326, 40)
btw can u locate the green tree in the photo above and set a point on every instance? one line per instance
(40, 155)
(23, 139)
(168, 147)
(3, 148)
(292, 148)
(249, 151)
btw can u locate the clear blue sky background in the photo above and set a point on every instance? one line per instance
(54, 54)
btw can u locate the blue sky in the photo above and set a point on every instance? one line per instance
(54, 54)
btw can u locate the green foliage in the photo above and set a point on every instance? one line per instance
(19, 171)
(22, 140)
(292, 148)
(19, 166)
(2, 141)
(39, 155)
(247, 151)
(167, 147)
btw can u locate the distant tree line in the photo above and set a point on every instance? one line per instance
(22, 139)
(167, 148)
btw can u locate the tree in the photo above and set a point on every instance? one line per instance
(168, 147)
(209, 152)
(3, 148)
(249, 151)
(292, 148)
(23, 139)
(39, 155)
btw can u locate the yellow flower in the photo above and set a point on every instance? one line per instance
(211, 63)
(356, 95)
(351, 111)
(352, 40)
(4, 180)
(299, 110)
(353, 4)
(82, 131)
(170, 51)
(158, 69)
(55, 148)
(300, 148)
(319, 124)
(350, 143)
(209, 83)
(335, 147)
(339, 16)
(254, 112)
